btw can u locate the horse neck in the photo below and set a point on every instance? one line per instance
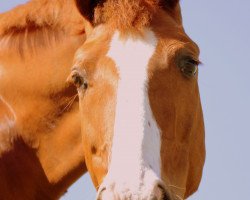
(51, 167)
(44, 141)
(51, 157)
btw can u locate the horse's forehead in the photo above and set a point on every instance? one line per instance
(132, 52)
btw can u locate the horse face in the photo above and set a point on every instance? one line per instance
(140, 108)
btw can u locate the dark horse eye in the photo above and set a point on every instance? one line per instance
(189, 67)
(78, 79)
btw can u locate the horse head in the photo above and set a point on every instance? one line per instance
(141, 115)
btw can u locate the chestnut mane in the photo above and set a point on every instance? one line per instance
(126, 14)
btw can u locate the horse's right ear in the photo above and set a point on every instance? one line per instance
(87, 8)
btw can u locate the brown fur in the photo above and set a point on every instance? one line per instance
(128, 14)
(138, 13)
(40, 141)
(38, 24)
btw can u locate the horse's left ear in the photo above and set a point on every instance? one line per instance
(87, 8)
(169, 4)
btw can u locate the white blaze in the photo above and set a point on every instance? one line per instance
(135, 156)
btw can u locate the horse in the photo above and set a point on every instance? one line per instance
(40, 138)
(141, 114)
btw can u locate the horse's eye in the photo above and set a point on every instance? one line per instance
(189, 67)
(78, 79)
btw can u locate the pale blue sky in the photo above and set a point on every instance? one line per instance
(222, 30)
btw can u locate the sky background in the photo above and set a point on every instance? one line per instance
(222, 31)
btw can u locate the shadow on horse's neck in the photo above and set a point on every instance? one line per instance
(22, 171)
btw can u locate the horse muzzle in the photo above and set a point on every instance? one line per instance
(115, 191)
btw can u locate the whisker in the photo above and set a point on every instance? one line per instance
(174, 186)
(69, 104)
(179, 197)
(69, 99)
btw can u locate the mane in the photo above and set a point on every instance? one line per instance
(126, 14)
(38, 24)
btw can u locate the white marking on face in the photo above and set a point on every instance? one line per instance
(135, 157)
